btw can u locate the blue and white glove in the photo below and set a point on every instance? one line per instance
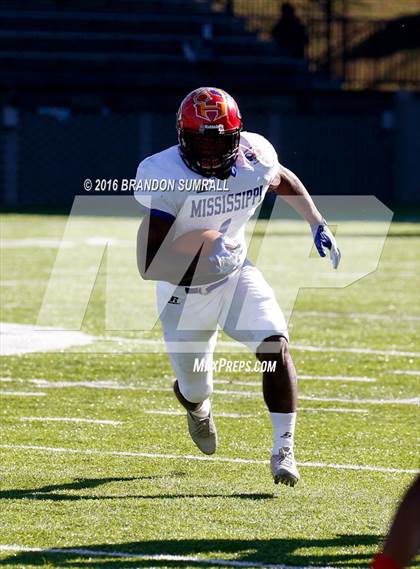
(324, 239)
(226, 255)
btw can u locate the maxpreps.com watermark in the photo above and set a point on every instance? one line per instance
(223, 364)
(155, 185)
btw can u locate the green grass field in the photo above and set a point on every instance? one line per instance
(125, 487)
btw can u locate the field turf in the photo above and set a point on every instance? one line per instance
(127, 488)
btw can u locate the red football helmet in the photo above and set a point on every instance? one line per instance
(209, 125)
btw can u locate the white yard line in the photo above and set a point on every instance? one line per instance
(152, 557)
(37, 242)
(51, 243)
(233, 382)
(237, 415)
(111, 384)
(203, 457)
(408, 401)
(89, 384)
(24, 339)
(415, 372)
(46, 384)
(331, 410)
(254, 415)
(344, 378)
(362, 315)
(72, 420)
(23, 282)
(23, 393)
(162, 412)
(304, 348)
(182, 414)
(198, 346)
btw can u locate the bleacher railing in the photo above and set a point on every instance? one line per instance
(333, 41)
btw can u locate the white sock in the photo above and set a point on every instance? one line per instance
(204, 410)
(283, 430)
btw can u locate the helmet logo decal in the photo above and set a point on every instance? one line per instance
(207, 108)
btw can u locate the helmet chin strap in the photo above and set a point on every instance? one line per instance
(211, 155)
(224, 172)
(221, 173)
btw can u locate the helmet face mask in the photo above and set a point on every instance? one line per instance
(209, 125)
(210, 153)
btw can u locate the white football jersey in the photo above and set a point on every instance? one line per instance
(165, 185)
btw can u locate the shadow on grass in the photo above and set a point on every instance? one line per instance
(338, 551)
(75, 498)
(47, 492)
(52, 491)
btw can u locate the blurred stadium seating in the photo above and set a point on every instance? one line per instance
(88, 88)
(137, 44)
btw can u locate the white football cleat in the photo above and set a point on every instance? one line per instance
(203, 432)
(283, 467)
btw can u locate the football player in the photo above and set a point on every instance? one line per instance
(199, 293)
(403, 540)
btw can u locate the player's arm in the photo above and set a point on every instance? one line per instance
(158, 257)
(287, 185)
(155, 260)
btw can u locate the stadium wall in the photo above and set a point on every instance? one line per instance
(337, 145)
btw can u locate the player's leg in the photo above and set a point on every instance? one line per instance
(193, 389)
(403, 540)
(191, 355)
(280, 396)
(255, 319)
